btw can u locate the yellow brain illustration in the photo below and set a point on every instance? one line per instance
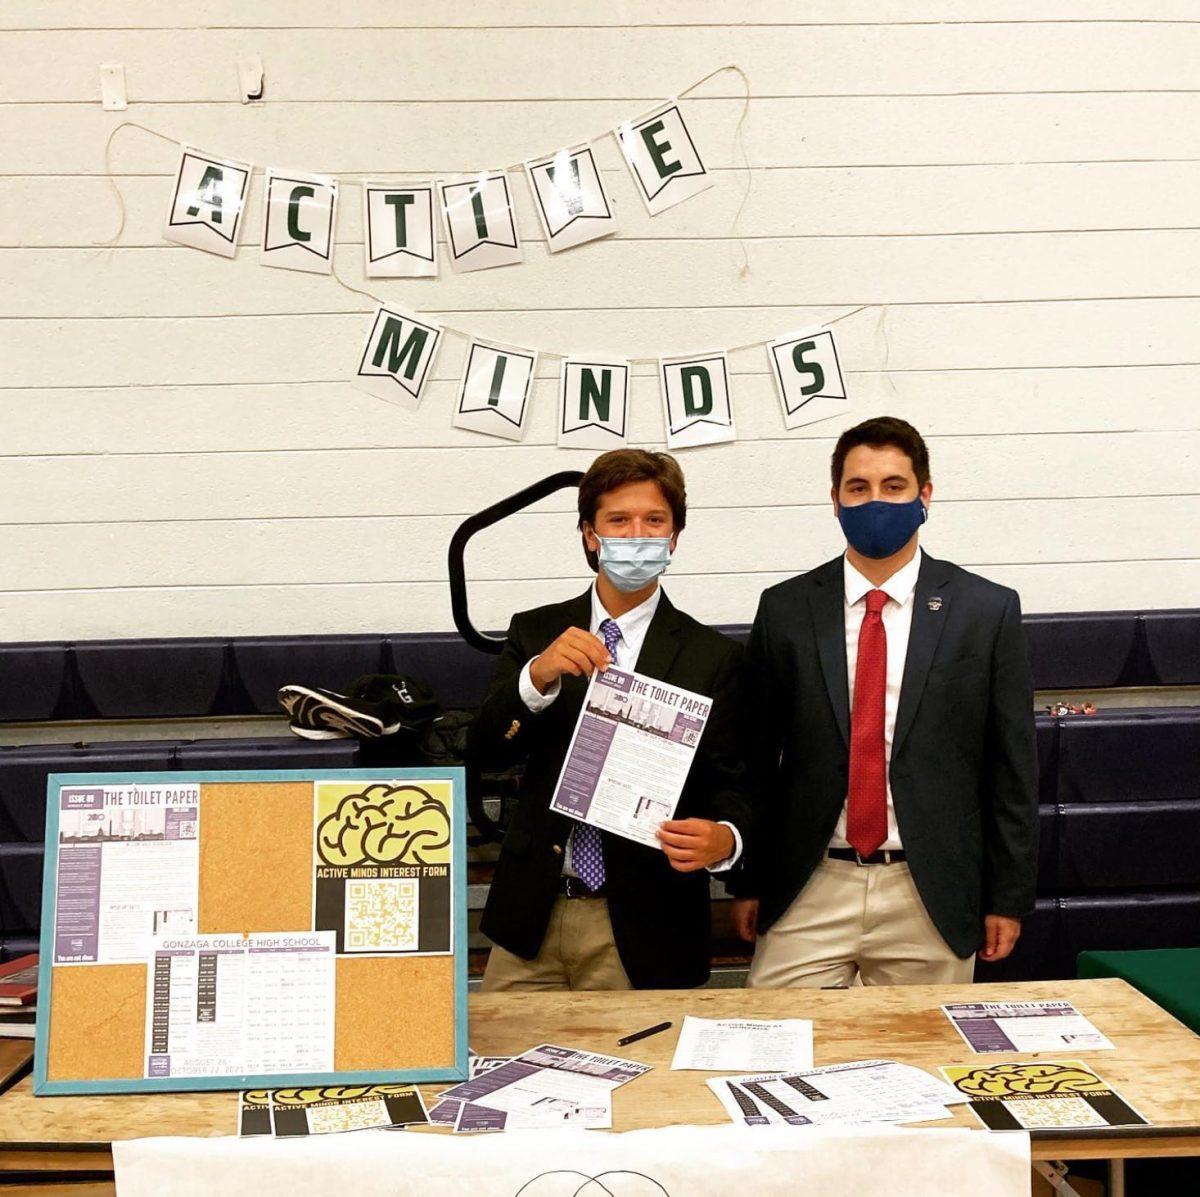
(1003, 1079)
(384, 825)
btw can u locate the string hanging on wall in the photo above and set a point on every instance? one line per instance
(299, 224)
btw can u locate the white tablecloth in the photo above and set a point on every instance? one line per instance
(679, 1161)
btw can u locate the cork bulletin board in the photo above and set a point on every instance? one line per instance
(251, 930)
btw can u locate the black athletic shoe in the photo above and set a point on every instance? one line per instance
(374, 705)
(319, 714)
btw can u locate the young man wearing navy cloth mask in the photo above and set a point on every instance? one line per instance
(572, 907)
(893, 765)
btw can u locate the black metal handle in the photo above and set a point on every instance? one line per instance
(476, 523)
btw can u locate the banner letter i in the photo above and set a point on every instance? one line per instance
(497, 380)
(480, 218)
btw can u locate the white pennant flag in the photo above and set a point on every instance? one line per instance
(208, 202)
(593, 400)
(397, 356)
(662, 157)
(569, 197)
(481, 227)
(299, 219)
(696, 405)
(398, 231)
(808, 377)
(493, 396)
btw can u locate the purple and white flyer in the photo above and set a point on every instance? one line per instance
(544, 1086)
(1045, 1026)
(629, 757)
(128, 870)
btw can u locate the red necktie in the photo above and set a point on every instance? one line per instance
(866, 814)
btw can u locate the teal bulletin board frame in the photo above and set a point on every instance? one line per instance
(43, 1086)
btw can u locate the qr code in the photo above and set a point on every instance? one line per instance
(1034, 1112)
(358, 1115)
(382, 916)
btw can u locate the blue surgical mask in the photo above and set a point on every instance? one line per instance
(879, 529)
(632, 562)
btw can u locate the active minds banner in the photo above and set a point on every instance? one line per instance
(476, 211)
(496, 388)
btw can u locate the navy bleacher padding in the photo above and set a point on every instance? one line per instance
(290, 753)
(1047, 756)
(240, 675)
(1128, 845)
(1048, 880)
(1039, 953)
(1123, 922)
(1150, 755)
(1173, 644)
(31, 680)
(20, 888)
(1080, 650)
(331, 662)
(158, 679)
(23, 773)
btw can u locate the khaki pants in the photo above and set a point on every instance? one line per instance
(864, 922)
(577, 953)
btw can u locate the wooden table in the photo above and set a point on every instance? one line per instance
(1156, 1065)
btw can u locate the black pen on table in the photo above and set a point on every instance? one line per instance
(654, 1030)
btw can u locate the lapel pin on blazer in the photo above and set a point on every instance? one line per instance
(512, 731)
(935, 603)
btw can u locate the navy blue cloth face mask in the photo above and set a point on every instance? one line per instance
(878, 529)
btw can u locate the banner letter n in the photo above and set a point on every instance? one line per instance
(593, 395)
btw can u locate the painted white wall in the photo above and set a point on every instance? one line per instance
(1014, 186)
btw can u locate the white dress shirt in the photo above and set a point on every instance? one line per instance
(633, 624)
(897, 622)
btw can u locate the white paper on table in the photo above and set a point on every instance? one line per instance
(228, 1005)
(744, 1045)
(848, 1094)
(629, 756)
(1040, 1026)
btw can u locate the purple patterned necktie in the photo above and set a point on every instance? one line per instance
(587, 857)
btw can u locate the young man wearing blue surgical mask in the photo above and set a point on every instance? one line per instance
(893, 760)
(571, 907)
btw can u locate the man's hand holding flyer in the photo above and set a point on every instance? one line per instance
(630, 754)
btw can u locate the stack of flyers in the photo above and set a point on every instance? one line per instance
(287, 1113)
(546, 1086)
(848, 1094)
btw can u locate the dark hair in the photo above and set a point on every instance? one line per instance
(618, 468)
(882, 430)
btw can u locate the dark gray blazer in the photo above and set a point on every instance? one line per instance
(964, 762)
